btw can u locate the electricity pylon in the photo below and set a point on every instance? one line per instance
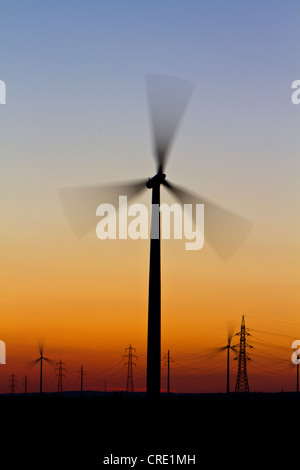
(242, 384)
(12, 382)
(61, 369)
(129, 364)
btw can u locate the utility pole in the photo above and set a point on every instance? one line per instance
(25, 385)
(297, 388)
(61, 369)
(81, 380)
(41, 374)
(129, 364)
(169, 359)
(12, 383)
(242, 384)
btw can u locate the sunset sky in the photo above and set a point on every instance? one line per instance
(77, 114)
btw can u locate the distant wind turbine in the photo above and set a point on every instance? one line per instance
(228, 347)
(225, 231)
(40, 360)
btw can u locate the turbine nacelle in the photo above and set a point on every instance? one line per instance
(156, 180)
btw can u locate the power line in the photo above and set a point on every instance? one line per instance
(274, 321)
(272, 334)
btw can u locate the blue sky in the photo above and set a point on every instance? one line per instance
(77, 109)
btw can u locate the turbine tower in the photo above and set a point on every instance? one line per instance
(242, 384)
(224, 230)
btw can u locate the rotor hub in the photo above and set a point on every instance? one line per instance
(156, 180)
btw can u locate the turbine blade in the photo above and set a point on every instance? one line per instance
(234, 348)
(230, 330)
(168, 97)
(218, 350)
(80, 203)
(32, 363)
(41, 347)
(50, 361)
(224, 230)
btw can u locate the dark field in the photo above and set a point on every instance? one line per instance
(72, 432)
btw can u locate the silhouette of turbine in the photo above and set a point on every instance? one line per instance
(40, 360)
(168, 97)
(228, 347)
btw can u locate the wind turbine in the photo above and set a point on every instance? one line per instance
(228, 347)
(168, 97)
(40, 360)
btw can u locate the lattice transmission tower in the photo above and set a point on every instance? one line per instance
(61, 369)
(242, 384)
(168, 361)
(130, 356)
(12, 383)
